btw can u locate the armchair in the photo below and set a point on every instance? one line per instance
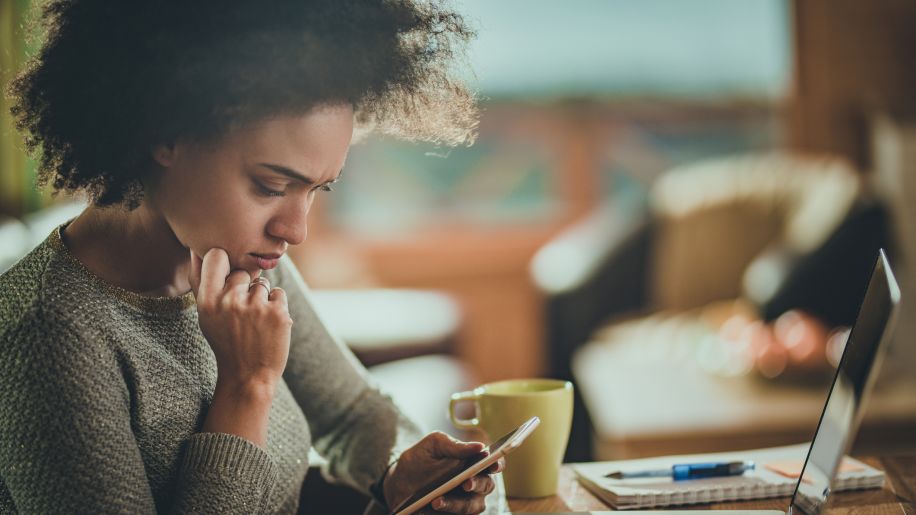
(767, 228)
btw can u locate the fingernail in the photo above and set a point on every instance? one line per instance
(439, 504)
(469, 485)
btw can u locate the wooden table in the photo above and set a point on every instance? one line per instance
(647, 396)
(898, 497)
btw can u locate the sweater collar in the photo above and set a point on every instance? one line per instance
(146, 303)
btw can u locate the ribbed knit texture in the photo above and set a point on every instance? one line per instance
(103, 394)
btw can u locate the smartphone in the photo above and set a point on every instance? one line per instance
(450, 479)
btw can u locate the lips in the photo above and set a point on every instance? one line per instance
(267, 261)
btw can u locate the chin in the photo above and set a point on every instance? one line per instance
(252, 270)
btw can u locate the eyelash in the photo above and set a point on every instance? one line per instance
(267, 192)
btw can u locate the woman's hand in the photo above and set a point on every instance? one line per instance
(426, 459)
(249, 331)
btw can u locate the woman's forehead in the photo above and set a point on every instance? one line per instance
(312, 143)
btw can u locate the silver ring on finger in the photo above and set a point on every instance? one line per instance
(260, 281)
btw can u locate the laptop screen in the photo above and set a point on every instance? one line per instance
(857, 369)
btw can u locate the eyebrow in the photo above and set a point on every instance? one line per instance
(282, 170)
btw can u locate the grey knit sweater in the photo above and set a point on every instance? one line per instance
(103, 394)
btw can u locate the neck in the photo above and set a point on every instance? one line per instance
(134, 250)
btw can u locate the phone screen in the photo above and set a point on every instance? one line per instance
(458, 468)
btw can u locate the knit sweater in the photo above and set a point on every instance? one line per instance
(103, 394)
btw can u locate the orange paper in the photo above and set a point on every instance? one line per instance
(793, 468)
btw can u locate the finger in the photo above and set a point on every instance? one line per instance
(480, 485)
(213, 272)
(238, 282)
(460, 503)
(444, 446)
(497, 467)
(259, 290)
(486, 487)
(194, 273)
(279, 296)
(440, 504)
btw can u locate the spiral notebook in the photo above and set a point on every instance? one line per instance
(775, 475)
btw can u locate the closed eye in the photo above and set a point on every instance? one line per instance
(268, 192)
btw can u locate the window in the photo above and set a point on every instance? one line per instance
(582, 102)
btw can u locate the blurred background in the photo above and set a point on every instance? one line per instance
(676, 205)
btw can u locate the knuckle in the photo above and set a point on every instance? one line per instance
(435, 439)
(238, 278)
(234, 306)
(276, 316)
(225, 303)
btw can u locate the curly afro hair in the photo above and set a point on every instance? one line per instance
(115, 78)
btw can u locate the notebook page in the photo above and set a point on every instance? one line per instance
(759, 483)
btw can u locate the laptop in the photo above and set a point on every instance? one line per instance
(843, 410)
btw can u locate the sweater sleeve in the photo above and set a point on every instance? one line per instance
(67, 445)
(358, 429)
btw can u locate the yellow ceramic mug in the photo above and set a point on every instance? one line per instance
(533, 469)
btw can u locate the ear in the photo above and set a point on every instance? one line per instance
(164, 154)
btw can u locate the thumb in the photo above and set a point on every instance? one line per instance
(448, 447)
(194, 273)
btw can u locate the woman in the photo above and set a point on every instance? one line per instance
(159, 352)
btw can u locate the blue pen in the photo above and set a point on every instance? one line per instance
(691, 471)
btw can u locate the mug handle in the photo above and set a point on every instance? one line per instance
(471, 423)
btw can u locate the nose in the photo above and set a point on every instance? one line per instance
(291, 225)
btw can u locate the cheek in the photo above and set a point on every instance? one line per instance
(237, 241)
(226, 217)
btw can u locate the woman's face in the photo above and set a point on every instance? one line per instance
(250, 192)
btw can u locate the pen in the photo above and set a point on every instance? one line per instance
(691, 471)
